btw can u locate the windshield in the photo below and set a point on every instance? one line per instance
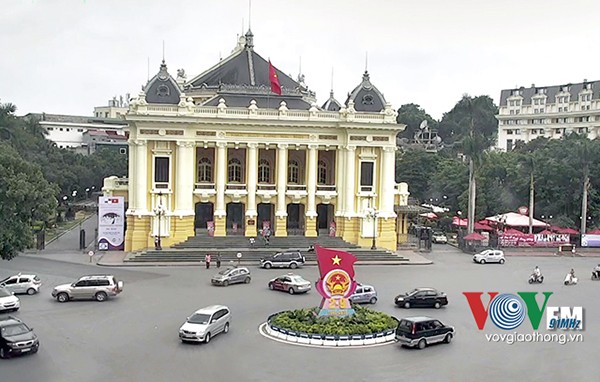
(5, 280)
(412, 292)
(199, 318)
(15, 330)
(4, 292)
(298, 280)
(224, 272)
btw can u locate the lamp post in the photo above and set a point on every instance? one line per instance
(373, 215)
(159, 211)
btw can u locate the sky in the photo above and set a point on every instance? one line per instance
(67, 56)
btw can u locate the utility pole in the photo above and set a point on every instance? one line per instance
(531, 201)
(584, 199)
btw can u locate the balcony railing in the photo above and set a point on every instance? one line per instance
(326, 188)
(235, 186)
(266, 187)
(296, 187)
(204, 186)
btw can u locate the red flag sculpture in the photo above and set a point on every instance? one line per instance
(275, 85)
(336, 283)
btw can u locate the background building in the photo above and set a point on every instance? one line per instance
(222, 154)
(548, 111)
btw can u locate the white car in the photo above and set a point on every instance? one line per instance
(489, 256)
(8, 300)
(439, 238)
(205, 323)
(29, 284)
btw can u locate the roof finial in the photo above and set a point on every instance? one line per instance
(366, 61)
(163, 61)
(249, 14)
(331, 92)
(148, 68)
(242, 26)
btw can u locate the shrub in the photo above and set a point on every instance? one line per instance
(306, 320)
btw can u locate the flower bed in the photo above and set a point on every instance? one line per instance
(305, 323)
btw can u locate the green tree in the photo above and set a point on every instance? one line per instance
(26, 197)
(416, 167)
(412, 115)
(477, 113)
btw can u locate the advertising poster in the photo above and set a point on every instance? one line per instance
(532, 240)
(111, 223)
(590, 240)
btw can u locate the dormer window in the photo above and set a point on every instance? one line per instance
(367, 99)
(163, 91)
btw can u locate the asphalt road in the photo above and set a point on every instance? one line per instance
(134, 337)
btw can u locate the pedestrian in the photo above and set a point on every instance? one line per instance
(207, 260)
(218, 260)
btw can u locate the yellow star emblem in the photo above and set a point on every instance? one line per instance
(336, 260)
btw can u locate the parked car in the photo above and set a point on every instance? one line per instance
(422, 331)
(8, 301)
(231, 276)
(439, 238)
(422, 298)
(16, 338)
(98, 287)
(290, 283)
(288, 259)
(29, 284)
(205, 323)
(364, 294)
(489, 256)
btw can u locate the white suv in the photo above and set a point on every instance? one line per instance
(205, 323)
(489, 256)
(29, 284)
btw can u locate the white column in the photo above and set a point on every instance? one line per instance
(131, 189)
(282, 164)
(340, 204)
(184, 178)
(311, 182)
(388, 177)
(221, 178)
(252, 179)
(350, 183)
(141, 176)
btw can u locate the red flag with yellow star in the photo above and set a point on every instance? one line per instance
(337, 271)
(275, 85)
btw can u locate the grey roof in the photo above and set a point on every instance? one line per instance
(242, 67)
(366, 96)
(550, 92)
(263, 101)
(162, 88)
(331, 104)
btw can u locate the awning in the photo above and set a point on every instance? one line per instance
(513, 219)
(474, 237)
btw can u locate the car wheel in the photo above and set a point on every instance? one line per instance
(422, 344)
(62, 297)
(30, 291)
(268, 266)
(501, 261)
(226, 328)
(448, 338)
(247, 280)
(3, 353)
(293, 265)
(291, 291)
(373, 300)
(407, 305)
(225, 283)
(271, 286)
(207, 338)
(482, 261)
(437, 305)
(101, 296)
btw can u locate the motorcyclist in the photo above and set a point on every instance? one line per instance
(597, 271)
(536, 273)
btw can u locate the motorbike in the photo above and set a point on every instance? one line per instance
(595, 275)
(534, 279)
(570, 280)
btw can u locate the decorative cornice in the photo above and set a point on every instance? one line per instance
(186, 144)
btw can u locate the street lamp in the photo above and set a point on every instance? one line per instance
(372, 213)
(159, 212)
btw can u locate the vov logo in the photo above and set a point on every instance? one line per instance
(507, 311)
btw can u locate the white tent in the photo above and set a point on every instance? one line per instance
(513, 219)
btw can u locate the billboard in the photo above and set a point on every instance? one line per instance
(590, 240)
(533, 240)
(111, 223)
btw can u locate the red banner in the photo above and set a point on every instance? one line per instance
(532, 240)
(210, 227)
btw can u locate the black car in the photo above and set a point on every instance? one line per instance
(422, 298)
(16, 338)
(288, 259)
(422, 331)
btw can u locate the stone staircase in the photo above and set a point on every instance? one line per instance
(195, 248)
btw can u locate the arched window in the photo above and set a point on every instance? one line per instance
(264, 171)
(234, 170)
(204, 170)
(293, 172)
(322, 175)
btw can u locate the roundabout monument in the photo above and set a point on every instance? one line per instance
(335, 323)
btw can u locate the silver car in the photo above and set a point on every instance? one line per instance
(97, 287)
(205, 323)
(364, 294)
(489, 256)
(18, 284)
(231, 276)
